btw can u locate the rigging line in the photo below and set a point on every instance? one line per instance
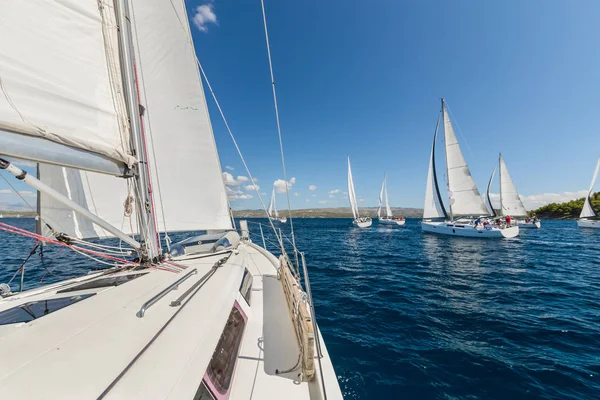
(287, 192)
(214, 96)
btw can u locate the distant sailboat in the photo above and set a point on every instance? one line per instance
(466, 204)
(510, 202)
(389, 218)
(361, 222)
(272, 211)
(588, 217)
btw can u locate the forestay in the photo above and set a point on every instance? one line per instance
(182, 150)
(351, 194)
(61, 80)
(433, 207)
(587, 210)
(462, 191)
(100, 194)
(510, 202)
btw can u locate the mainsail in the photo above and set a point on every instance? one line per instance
(272, 211)
(588, 211)
(433, 207)
(488, 200)
(464, 196)
(351, 194)
(181, 142)
(510, 202)
(60, 83)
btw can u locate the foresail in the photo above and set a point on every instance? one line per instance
(351, 194)
(60, 77)
(270, 210)
(433, 207)
(510, 202)
(587, 210)
(182, 150)
(488, 200)
(100, 194)
(380, 198)
(462, 191)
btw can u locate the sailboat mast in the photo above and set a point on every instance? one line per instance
(143, 193)
(447, 169)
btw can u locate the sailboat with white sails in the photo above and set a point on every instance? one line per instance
(272, 211)
(510, 201)
(389, 219)
(120, 129)
(588, 217)
(361, 222)
(466, 204)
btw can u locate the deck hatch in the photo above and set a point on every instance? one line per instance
(246, 286)
(103, 282)
(36, 309)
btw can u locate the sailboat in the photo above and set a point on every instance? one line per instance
(361, 222)
(119, 127)
(510, 202)
(467, 208)
(588, 217)
(272, 211)
(389, 219)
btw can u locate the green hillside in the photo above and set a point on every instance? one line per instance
(568, 210)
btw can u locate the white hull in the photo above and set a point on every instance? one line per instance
(363, 224)
(452, 228)
(529, 225)
(389, 221)
(281, 220)
(588, 223)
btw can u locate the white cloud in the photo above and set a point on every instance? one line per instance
(204, 16)
(252, 187)
(263, 194)
(280, 185)
(334, 191)
(361, 200)
(296, 194)
(314, 195)
(307, 200)
(323, 202)
(331, 196)
(229, 168)
(24, 193)
(312, 187)
(236, 197)
(231, 181)
(242, 179)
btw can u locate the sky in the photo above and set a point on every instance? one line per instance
(364, 79)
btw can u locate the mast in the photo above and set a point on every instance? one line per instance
(144, 203)
(450, 194)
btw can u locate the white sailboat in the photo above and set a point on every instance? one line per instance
(510, 201)
(389, 219)
(121, 132)
(272, 211)
(588, 217)
(361, 222)
(466, 205)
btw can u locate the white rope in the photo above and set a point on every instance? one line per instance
(287, 193)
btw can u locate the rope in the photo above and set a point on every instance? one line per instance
(287, 193)
(31, 252)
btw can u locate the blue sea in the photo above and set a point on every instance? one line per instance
(418, 316)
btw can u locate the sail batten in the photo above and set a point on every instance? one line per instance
(510, 202)
(588, 211)
(462, 192)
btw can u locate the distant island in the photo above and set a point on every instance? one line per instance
(339, 212)
(568, 210)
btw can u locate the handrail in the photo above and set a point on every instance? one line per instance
(159, 296)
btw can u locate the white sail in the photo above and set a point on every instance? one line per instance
(270, 209)
(462, 191)
(61, 80)
(273, 211)
(381, 198)
(100, 194)
(388, 210)
(351, 194)
(587, 210)
(433, 207)
(488, 200)
(510, 202)
(177, 124)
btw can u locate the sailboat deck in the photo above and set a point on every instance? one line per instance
(100, 346)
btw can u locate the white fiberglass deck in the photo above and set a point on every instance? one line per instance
(99, 346)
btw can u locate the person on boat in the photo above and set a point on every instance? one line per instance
(508, 220)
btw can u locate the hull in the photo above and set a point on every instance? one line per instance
(529, 225)
(364, 223)
(588, 223)
(280, 220)
(465, 230)
(389, 221)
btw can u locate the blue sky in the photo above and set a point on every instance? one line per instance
(364, 79)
